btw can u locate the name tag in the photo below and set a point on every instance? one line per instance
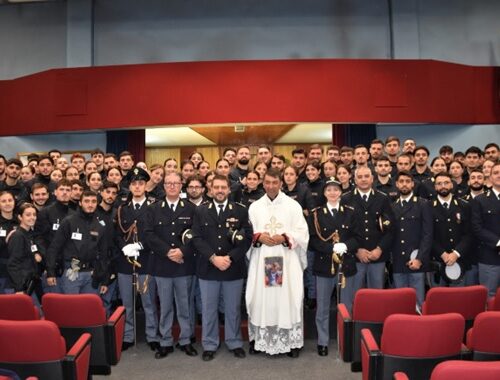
(34, 248)
(94, 233)
(55, 226)
(76, 236)
(3, 233)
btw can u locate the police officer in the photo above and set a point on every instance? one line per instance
(452, 232)
(8, 223)
(48, 222)
(383, 182)
(486, 227)
(411, 247)
(333, 230)
(169, 234)
(373, 210)
(81, 244)
(222, 235)
(12, 182)
(131, 222)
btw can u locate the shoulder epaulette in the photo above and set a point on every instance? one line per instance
(349, 207)
(240, 204)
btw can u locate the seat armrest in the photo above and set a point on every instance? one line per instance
(370, 355)
(115, 331)
(115, 317)
(491, 303)
(343, 312)
(77, 360)
(344, 333)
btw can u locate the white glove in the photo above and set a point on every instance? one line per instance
(339, 248)
(132, 250)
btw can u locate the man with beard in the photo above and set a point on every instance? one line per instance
(411, 247)
(106, 214)
(383, 182)
(278, 162)
(376, 151)
(404, 163)
(333, 154)
(361, 155)
(239, 172)
(486, 227)
(12, 183)
(126, 164)
(221, 236)
(315, 153)
(39, 195)
(409, 146)
(299, 162)
(475, 183)
(81, 244)
(3, 163)
(421, 170)
(491, 152)
(452, 236)
(45, 167)
(110, 161)
(195, 189)
(47, 224)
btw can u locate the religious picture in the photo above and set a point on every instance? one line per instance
(273, 268)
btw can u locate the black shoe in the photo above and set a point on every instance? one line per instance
(251, 349)
(127, 345)
(154, 346)
(208, 355)
(310, 303)
(188, 349)
(163, 352)
(294, 353)
(239, 353)
(323, 350)
(193, 340)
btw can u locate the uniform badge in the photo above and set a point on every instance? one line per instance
(459, 220)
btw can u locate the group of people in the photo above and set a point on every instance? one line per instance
(284, 233)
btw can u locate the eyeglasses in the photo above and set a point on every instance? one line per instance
(194, 187)
(173, 183)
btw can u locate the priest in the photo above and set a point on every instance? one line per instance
(277, 259)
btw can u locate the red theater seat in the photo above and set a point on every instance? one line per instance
(36, 348)
(411, 344)
(370, 309)
(467, 301)
(483, 339)
(84, 313)
(494, 302)
(461, 370)
(18, 307)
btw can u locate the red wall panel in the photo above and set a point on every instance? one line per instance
(340, 91)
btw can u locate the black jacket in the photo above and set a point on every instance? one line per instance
(301, 194)
(321, 226)
(212, 236)
(6, 226)
(164, 230)
(486, 226)
(21, 264)
(371, 214)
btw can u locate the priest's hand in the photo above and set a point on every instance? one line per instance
(266, 239)
(278, 239)
(363, 255)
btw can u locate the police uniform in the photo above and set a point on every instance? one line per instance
(24, 271)
(131, 224)
(413, 235)
(80, 243)
(323, 223)
(376, 218)
(6, 226)
(214, 234)
(388, 188)
(166, 229)
(472, 273)
(452, 231)
(47, 223)
(486, 227)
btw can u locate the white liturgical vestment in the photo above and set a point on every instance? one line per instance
(275, 289)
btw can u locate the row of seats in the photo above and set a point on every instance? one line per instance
(30, 346)
(460, 369)
(372, 306)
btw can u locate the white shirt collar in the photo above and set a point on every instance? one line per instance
(216, 204)
(495, 192)
(140, 203)
(407, 198)
(173, 203)
(441, 200)
(332, 207)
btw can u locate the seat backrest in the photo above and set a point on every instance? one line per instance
(424, 336)
(74, 310)
(30, 341)
(466, 370)
(467, 301)
(494, 303)
(375, 305)
(485, 334)
(18, 307)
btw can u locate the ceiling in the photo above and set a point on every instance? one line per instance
(234, 135)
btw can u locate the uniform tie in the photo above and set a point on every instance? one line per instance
(365, 197)
(221, 210)
(445, 205)
(172, 207)
(137, 206)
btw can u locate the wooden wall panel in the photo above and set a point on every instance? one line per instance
(159, 155)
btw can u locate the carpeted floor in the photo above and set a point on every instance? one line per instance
(140, 364)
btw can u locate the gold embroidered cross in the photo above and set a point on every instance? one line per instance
(273, 226)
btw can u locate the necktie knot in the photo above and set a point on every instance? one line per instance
(365, 197)
(221, 209)
(137, 206)
(172, 207)
(334, 211)
(445, 205)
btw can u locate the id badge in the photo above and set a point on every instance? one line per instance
(76, 236)
(55, 226)
(34, 248)
(3, 233)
